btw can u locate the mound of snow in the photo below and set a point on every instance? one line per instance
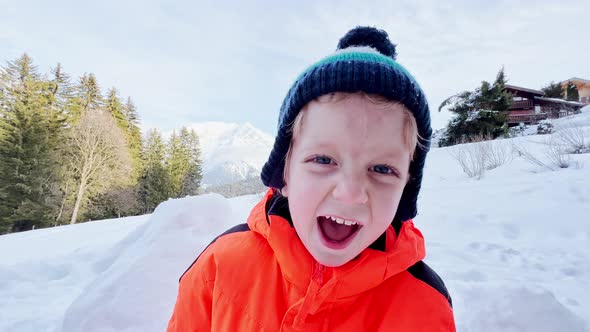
(138, 291)
(42, 272)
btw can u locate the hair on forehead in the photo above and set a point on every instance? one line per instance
(410, 128)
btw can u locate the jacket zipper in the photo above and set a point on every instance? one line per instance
(317, 279)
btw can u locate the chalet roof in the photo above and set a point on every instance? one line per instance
(519, 88)
(560, 101)
(577, 79)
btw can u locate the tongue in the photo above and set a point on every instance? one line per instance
(334, 231)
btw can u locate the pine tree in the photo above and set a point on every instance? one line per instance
(191, 144)
(116, 108)
(63, 93)
(92, 98)
(177, 165)
(134, 135)
(87, 97)
(183, 163)
(481, 113)
(154, 185)
(553, 90)
(572, 92)
(30, 133)
(131, 112)
(119, 112)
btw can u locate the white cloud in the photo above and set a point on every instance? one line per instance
(194, 61)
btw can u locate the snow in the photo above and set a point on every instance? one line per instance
(582, 119)
(561, 101)
(42, 272)
(512, 249)
(153, 257)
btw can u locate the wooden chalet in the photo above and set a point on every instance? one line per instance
(583, 87)
(529, 106)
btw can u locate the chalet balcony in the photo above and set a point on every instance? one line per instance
(526, 118)
(522, 104)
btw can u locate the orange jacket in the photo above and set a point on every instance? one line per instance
(260, 277)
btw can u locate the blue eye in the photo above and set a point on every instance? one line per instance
(383, 169)
(322, 160)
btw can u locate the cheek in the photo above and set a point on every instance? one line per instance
(386, 203)
(302, 213)
(304, 199)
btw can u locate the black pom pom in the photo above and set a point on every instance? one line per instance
(368, 36)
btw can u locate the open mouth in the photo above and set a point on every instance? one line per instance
(337, 233)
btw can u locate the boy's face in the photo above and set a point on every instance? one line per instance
(348, 164)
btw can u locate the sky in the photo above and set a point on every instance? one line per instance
(185, 62)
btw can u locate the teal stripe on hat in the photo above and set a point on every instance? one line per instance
(358, 56)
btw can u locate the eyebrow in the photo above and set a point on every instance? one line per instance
(391, 153)
(321, 144)
(313, 145)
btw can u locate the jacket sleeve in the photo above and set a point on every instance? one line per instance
(194, 303)
(450, 325)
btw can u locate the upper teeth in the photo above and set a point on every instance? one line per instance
(342, 221)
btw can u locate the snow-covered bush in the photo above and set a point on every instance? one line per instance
(437, 135)
(517, 131)
(544, 127)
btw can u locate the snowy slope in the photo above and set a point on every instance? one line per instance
(42, 272)
(231, 152)
(512, 248)
(582, 119)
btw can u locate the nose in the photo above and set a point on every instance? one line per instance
(351, 190)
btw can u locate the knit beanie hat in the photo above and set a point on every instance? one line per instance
(365, 61)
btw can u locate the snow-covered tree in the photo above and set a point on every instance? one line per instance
(482, 112)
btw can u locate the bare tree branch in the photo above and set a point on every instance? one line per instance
(98, 156)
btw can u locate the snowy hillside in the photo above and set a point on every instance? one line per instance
(512, 248)
(231, 152)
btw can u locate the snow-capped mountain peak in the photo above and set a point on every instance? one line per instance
(231, 152)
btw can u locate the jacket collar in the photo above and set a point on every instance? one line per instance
(366, 271)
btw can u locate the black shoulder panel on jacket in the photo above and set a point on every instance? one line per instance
(235, 229)
(423, 272)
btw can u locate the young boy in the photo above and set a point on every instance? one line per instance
(332, 246)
